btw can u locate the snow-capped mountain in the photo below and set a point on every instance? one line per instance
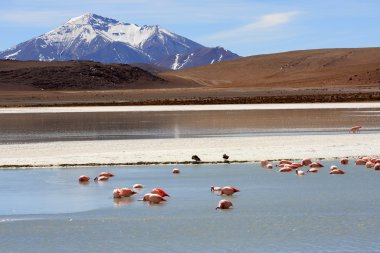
(199, 57)
(96, 38)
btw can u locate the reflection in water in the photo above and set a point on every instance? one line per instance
(122, 201)
(145, 125)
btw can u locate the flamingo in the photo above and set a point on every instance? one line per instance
(360, 162)
(159, 191)
(335, 171)
(299, 172)
(84, 178)
(155, 198)
(355, 129)
(285, 169)
(101, 178)
(224, 204)
(312, 170)
(228, 190)
(269, 166)
(146, 197)
(126, 192)
(152, 198)
(377, 166)
(369, 164)
(344, 161)
(176, 171)
(216, 188)
(285, 162)
(306, 162)
(106, 174)
(264, 163)
(138, 186)
(316, 165)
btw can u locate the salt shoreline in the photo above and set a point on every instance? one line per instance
(163, 108)
(179, 151)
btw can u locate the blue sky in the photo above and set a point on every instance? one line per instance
(244, 27)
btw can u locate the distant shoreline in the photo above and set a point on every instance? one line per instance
(316, 98)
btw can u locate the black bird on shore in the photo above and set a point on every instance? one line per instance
(225, 157)
(196, 158)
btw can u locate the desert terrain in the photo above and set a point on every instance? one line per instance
(325, 75)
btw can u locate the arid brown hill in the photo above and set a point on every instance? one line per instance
(74, 75)
(324, 68)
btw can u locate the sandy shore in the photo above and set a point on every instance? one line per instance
(248, 149)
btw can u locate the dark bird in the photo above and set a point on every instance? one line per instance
(196, 158)
(225, 157)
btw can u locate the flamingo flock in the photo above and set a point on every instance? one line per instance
(157, 195)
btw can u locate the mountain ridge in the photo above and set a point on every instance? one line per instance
(96, 38)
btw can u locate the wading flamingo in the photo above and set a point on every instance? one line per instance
(106, 174)
(216, 188)
(176, 171)
(224, 204)
(155, 198)
(299, 172)
(285, 169)
(228, 190)
(355, 129)
(84, 178)
(264, 163)
(138, 186)
(306, 162)
(360, 162)
(269, 166)
(316, 165)
(335, 171)
(101, 178)
(344, 161)
(159, 191)
(312, 170)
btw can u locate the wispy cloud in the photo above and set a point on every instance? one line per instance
(264, 22)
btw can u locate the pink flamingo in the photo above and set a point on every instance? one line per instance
(335, 171)
(360, 162)
(344, 161)
(84, 178)
(159, 191)
(216, 188)
(355, 129)
(306, 162)
(316, 165)
(176, 171)
(155, 198)
(106, 174)
(285, 169)
(299, 172)
(228, 190)
(312, 170)
(138, 186)
(224, 204)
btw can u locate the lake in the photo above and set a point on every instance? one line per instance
(47, 210)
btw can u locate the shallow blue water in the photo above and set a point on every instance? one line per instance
(47, 210)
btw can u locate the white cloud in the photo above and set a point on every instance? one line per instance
(264, 22)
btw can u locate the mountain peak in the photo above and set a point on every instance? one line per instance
(97, 38)
(91, 19)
